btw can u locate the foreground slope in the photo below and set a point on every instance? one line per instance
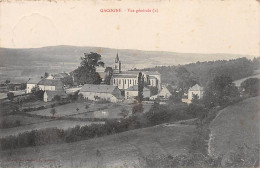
(235, 127)
(127, 149)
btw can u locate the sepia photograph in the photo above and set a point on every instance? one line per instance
(129, 84)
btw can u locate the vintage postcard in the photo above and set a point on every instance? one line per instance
(129, 84)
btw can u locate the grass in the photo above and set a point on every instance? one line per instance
(95, 110)
(235, 126)
(71, 109)
(127, 149)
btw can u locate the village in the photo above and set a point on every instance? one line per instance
(121, 89)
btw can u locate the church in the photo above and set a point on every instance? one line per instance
(127, 79)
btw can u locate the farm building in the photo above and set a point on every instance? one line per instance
(49, 95)
(165, 93)
(31, 84)
(196, 89)
(132, 92)
(101, 92)
(52, 85)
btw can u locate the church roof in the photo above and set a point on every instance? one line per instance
(98, 88)
(124, 76)
(117, 58)
(196, 88)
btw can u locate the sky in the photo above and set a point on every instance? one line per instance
(191, 26)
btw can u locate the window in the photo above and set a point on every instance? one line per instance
(130, 81)
(114, 81)
(119, 81)
(125, 81)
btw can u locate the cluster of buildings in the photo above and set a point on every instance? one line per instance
(124, 85)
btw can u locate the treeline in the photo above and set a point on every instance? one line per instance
(202, 72)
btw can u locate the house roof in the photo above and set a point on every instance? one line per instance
(196, 88)
(51, 94)
(34, 81)
(135, 88)
(51, 82)
(98, 88)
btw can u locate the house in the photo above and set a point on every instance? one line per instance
(196, 89)
(49, 95)
(58, 76)
(165, 93)
(50, 84)
(101, 92)
(132, 92)
(31, 84)
(125, 79)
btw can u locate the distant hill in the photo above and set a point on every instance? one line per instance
(130, 58)
(18, 65)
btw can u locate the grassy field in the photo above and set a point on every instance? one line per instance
(235, 126)
(126, 149)
(71, 109)
(95, 110)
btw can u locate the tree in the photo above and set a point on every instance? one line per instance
(46, 74)
(137, 108)
(195, 99)
(251, 86)
(186, 79)
(109, 73)
(57, 98)
(10, 96)
(37, 93)
(124, 113)
(153, 90)
(80, 97)
(176, 97)
(67, 80)
(7, 81)
(140, 86)
(23, 86)
(220, 91)
(53, 111)
(86, 72)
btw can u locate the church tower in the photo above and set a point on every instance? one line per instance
(117, 68)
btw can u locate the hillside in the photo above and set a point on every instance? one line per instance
(235, 127)
(127, 149)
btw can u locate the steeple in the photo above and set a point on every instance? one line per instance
(117, 68)
(117, 58)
